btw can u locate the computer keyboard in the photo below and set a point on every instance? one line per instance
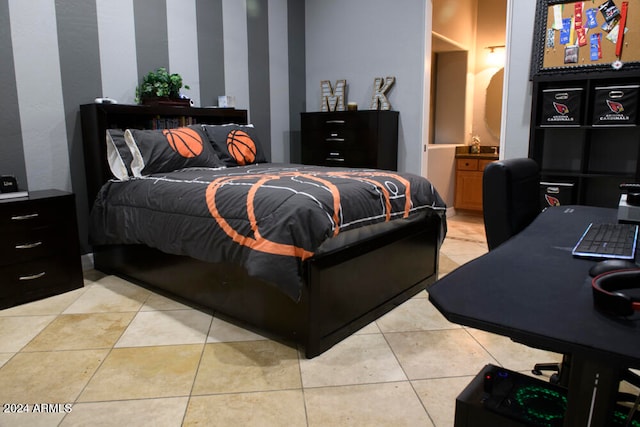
(608, 240)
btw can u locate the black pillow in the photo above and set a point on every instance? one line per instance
(235, 145)
(166, 150)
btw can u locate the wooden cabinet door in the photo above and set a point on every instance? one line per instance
(469, 190)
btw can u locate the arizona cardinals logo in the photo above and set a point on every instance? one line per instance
(616, 107)
(561, 108)
(552, 201)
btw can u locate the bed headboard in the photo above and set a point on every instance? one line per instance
(97, 118)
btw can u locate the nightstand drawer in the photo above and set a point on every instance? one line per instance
(39, 247)
(31, 244)
(25, 215)
(34, 278)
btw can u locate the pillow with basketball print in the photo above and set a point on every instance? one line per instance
(166, 150)
(118, 154)
(235, 145)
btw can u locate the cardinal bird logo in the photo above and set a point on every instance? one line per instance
(616, 107)
(561, 108)
(552, 201)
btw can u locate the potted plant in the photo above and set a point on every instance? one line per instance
(160, 87)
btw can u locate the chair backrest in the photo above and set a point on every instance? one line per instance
(510, 198)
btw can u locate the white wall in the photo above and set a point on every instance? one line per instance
(516, 108)
(359, 40)
(455, 20)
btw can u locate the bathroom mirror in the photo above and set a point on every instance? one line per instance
(493, 104)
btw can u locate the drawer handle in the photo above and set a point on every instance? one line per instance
(334, 159)
(33, 276)
(24, 217)
(334, 139)
(29, 245)
(335, 122)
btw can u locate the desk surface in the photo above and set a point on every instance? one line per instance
(534, 291)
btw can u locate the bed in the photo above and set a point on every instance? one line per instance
(303, 254)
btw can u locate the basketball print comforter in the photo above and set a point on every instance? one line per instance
(268, 218)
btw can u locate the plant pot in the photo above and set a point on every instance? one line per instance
(163, 100)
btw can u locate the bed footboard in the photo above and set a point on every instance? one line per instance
(344, 291)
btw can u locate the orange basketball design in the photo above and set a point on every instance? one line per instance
(241, 147)
(184, 141)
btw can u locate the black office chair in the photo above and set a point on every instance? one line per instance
(510, 202)
(510, 198)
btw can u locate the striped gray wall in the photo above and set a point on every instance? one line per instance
(58, 54)
(11, 151)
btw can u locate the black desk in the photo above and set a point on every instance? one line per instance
(534, 291)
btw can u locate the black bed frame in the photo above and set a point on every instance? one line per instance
(343, 291)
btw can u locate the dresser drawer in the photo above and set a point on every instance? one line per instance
(331, 138)
(336, 121)
(39, 242)
(338, 158)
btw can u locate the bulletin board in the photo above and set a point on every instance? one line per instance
(583, 35)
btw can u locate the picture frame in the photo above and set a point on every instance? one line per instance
(575, 36)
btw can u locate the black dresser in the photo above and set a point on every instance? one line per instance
(361, 139)
(39, 248)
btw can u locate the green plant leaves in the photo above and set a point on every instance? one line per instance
(161, 84)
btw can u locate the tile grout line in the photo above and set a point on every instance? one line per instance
(106, 355)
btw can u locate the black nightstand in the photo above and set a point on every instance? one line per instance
(39, 248)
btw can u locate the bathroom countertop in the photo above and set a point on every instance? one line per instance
(487, 156)
(486, 153)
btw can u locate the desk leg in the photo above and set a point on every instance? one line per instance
(593, 387)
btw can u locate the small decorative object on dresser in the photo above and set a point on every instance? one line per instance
(379, 99)
(333, 100)
(39, 249)
(9, 188)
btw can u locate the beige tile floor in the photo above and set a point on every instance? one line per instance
(119, 354)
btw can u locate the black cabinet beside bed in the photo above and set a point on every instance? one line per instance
(344, 287)
(39, 250)
(359, 139)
